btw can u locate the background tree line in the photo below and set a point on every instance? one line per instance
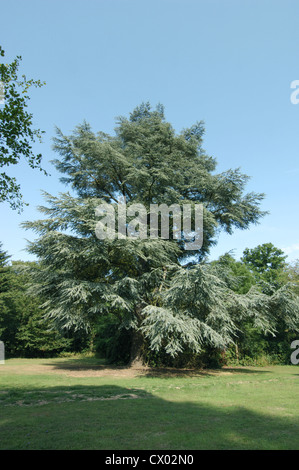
(23, 328)
(26, 332)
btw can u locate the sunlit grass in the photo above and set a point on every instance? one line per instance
(75, 403)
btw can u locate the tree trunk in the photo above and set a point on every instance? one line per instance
(137, 349)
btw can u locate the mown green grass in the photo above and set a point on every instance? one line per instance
(240, 408)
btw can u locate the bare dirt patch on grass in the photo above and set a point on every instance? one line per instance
(71, 368)
(73, 398)
(78, 368)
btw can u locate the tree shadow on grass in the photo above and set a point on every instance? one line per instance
(122, 418)
(173, 372)
(100, 367)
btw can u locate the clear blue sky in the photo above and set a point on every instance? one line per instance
(227, 62)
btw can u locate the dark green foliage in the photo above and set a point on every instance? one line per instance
(16, 133)
(265, 268)
(112, 341)
(23, 328)
(208, 358)
(266, 262)
(240, 278)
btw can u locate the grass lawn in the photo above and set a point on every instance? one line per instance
(79, 403)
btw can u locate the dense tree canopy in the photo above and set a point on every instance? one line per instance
(147, 162)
